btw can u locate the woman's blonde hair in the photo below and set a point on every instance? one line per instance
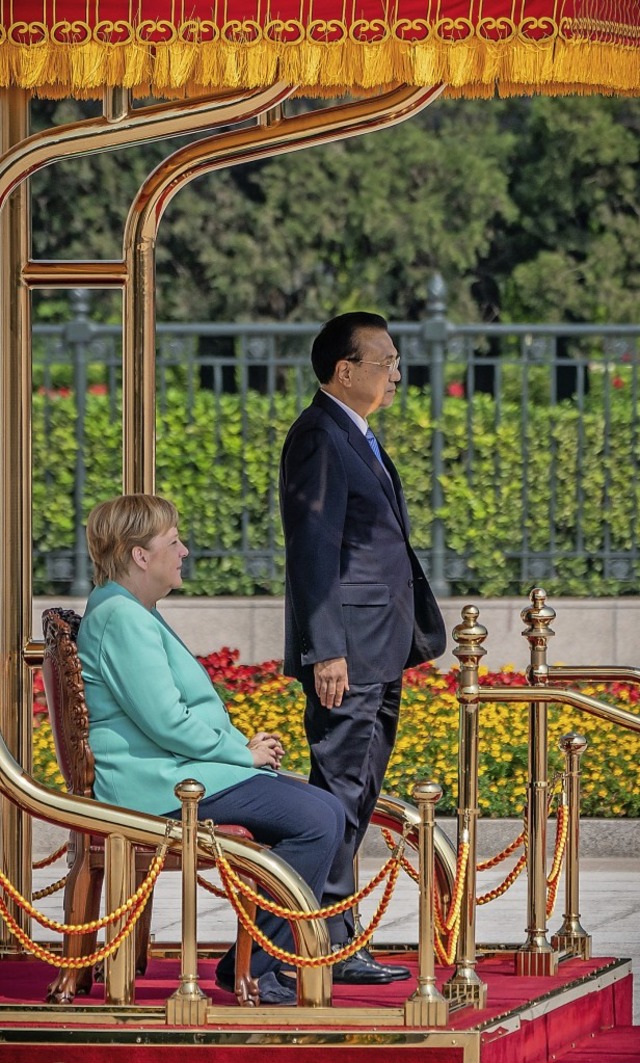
(116, 526)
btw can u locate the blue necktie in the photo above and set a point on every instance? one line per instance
(373, 443)
(375, 446)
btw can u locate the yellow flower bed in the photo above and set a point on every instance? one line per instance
(45, 765)
(427, 742)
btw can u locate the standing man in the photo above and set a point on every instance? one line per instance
(358, 607)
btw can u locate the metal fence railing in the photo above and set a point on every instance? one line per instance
(519, 446)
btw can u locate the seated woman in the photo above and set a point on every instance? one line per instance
(155, 718)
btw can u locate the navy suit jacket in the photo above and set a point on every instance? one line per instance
(354, 586)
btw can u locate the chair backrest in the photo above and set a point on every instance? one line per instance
(64, 689)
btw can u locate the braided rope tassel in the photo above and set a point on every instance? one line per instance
(233, 885)
(229, 876)
(493, 861)
(72, 962)
(562, 829)
(51, 859)
(497, 891)
(95, 924)
(47, 891)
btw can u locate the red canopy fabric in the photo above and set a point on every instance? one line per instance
(184, 47)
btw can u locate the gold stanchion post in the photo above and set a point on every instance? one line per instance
(571, 937)
(188, 1005)
(427, 1006)
(119, 968)
(537, 956)
(465, 986)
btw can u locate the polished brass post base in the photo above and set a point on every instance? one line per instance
(466, 988)
(427, 1007)
(188, 1005)
(536, 959)
(573, 938)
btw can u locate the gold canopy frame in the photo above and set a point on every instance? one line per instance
(264, 130)
(244, 72)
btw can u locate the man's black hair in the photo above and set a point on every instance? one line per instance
(338, 339)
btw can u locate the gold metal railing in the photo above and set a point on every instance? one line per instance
(266, 133)
(122, 829)
(427, 1005)
(538, 955)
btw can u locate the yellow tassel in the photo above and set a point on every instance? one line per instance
(474, 67)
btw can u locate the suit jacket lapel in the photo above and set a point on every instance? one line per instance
(393, 490)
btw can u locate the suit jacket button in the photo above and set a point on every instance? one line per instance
(409, 583)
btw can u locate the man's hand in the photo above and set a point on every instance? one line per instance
(332, 679)
(266, 749)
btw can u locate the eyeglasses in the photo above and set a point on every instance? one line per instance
(389, 366)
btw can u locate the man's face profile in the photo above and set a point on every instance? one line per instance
(374, 375)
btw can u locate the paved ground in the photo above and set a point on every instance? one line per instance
(609, 904)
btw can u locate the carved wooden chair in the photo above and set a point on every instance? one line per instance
(64, 689)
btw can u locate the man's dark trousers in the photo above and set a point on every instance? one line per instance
(350, 748)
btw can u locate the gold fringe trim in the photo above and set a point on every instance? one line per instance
(250, 56)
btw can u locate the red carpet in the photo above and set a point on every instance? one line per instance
(537, 1036)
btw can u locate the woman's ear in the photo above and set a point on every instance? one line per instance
(139, 557)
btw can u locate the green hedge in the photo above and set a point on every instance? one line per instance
(219, 463)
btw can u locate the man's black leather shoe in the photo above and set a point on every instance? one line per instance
(398, 974)
(362, 969)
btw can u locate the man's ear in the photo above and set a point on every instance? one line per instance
(343, 373)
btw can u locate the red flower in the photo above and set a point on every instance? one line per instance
(618, 382)
(223, 670)
(55, 393)
(40, 707)
(456, 389)
(98, 389)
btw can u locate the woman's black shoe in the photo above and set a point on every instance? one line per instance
(272, 990)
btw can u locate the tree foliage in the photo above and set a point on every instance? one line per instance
(530, 208)
(571, 501)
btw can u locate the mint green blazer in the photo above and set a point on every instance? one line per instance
(155, 718)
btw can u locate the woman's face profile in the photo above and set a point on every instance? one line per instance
(164, 557)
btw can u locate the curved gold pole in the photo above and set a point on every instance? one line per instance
(559, 696)
(394, 814)
(21, 156)
(270, 872)
(595, 673)
(142, 125)
(195, 160)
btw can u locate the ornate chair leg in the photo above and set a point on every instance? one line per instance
(246, 987)
(81, 904)
(143, 929)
